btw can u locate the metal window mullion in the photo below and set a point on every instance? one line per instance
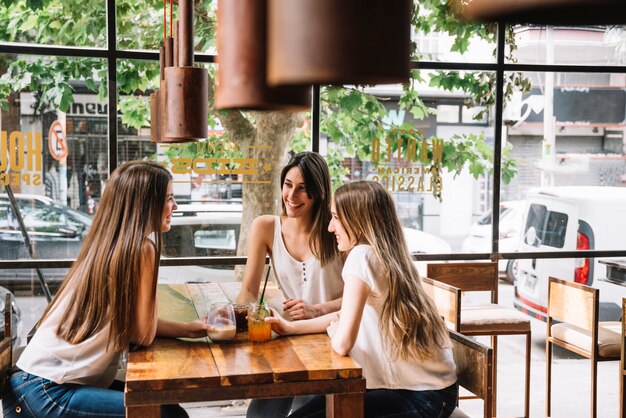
(497, 146)
(112, 83)
(315, 119)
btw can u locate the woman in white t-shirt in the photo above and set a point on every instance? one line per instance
(387, 323)
(106, 302)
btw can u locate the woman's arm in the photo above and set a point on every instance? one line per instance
(145, 313)
(343, 336)
(147, 323)
(308, 326)
(300, 309)
(259, 242)
(175, 329)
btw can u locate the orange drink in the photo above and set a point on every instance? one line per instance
(258, 329)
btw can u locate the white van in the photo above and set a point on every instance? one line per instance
(567, 219)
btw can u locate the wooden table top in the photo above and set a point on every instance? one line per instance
(184, 370)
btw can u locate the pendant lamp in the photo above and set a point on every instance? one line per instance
(179, 109)
(545, 12)
(242, 60)
(187, 86)
(338, 42)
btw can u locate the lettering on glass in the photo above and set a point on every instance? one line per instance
(408, 164)
(22, 155)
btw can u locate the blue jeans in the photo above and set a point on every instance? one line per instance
(28, 395)
(381, 403)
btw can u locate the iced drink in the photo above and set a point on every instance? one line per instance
(222, 332)
(241, 312)
(258, 329)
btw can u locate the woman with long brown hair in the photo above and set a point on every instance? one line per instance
(387, 323)
(306, 263)
(305, 260)
(106, 303)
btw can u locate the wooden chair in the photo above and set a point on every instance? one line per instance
(622, 368)
(6, 345)
(488, 319)
(576, 306)
(474, 364)
(447, 299)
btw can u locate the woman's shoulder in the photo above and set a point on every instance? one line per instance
(361, 250)
(148, 249)
(264, 222)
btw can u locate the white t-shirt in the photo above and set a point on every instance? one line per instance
(438, 372)
(307, 279)
(51, 357)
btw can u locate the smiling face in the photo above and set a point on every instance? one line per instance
(344, 242)
(297, 202)
(170, 206)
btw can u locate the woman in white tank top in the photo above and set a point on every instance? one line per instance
(306, 262)
(106, 302)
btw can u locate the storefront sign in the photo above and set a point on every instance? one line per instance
(20, 154)
(407, 166)
(56, 141)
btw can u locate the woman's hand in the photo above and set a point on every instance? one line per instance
(279, 324)
(197, 329)
(299, 309)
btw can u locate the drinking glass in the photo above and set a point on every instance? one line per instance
(222, 319)
(258, 329)
(241, 312)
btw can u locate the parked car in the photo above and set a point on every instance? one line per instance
(479, 237)
(55, 231)
(205, 230)
(568, 219)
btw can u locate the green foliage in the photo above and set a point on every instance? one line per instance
(135, 111)
(351, 117)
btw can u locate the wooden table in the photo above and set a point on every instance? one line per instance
(191, 370)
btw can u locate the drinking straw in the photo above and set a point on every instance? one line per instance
(267, 275)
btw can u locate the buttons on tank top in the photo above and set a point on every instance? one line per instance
(304, 271)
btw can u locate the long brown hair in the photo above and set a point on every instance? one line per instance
(409, 321)
(104, 280)
(317, 182)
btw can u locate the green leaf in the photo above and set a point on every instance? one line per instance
(30, 23)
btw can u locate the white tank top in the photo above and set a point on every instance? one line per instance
(86, 363)
(307, 279)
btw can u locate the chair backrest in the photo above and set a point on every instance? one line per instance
(469, 277)
(474, 368)
(573, 303)
(447, 300)
(6, 345)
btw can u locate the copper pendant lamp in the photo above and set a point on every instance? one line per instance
(338, 42)
(179, 109)
(545, 12)
(242, 60)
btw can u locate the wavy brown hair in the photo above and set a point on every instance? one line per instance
(317, 182)
(409, 323)
(103, 282)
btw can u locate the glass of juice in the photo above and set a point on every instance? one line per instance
(258, 329)
(222, 319)
(241, 312)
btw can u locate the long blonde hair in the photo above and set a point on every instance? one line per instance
(104, 280)
(317, 181)
(409, 323)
